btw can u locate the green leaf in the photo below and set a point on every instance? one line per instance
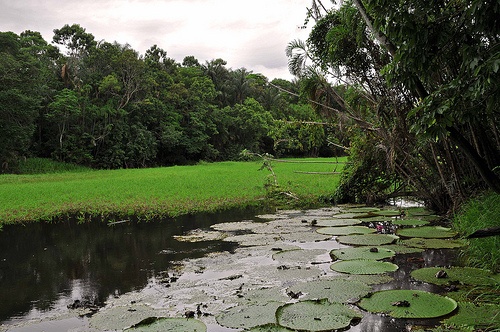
(372, 253)
(335, 290)
(249, 315)
(316, 316)
(348, 230)
(154, 324)
(363, 266)
(428, 232)
(367, 239)
(408, 304)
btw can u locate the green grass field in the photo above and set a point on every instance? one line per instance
(158, 192)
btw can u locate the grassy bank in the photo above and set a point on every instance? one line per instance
(155, 192)
(481, 212)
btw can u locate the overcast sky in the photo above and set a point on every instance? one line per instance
(246, 33)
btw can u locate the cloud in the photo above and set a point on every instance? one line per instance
(250, 34)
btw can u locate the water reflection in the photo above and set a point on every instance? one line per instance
(47, 266)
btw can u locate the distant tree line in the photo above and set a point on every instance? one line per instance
(104, 105)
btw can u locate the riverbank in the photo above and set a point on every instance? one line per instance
(481, 212)
(163, 192)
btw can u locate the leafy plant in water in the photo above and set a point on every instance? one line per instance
(154, 324)
(298, 255)
(363, 266)
(433, 243)
(410, 222)
(367, 239)
(335, 290)
(427, 232)
(318, 315)
(249, 315)
(371, 253)
(348, 230)
(337, 222)
(408, 304)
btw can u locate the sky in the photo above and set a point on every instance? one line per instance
(250, 34)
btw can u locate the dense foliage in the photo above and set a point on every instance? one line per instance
(416, 86)
(104, 105)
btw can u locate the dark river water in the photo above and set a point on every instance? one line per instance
(46, 267)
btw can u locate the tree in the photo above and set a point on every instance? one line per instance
(419, 80)
(23, 87)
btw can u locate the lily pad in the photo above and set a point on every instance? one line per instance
(363, 266)
(347, 230)
(427, 232)
(269, 328)
(372, 253)
(335, 290)
(367, 239)
(254, 239)
(316, 316)
(119, 318)
(453, 275)
(388, 213)
(154, 324)
(200, 236)
(433, 243)
(248, 316)
(298, 255)
(362, 209)
(401, 249)
(476, 315)
(410, 222)
(345, 215)
(408, 304)
(262, 295)
(337, 222)
(234, 226)
(369, 279)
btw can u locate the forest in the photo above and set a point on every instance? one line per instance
(409, 90)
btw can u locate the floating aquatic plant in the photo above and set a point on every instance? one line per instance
(363, 266)
(337, 222)
(335, 290)
(408, 304)
(366, 252)
(410, 222)
(119, 318)
(367, 239)
(248, 315)
(269, 328)
(347, 230)
(362, 209)
(433, 243)
(155, 324)
(200, 236)
(401, 249)
(318, 315)
(387, 213)
(298, 255)
(427, 232)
